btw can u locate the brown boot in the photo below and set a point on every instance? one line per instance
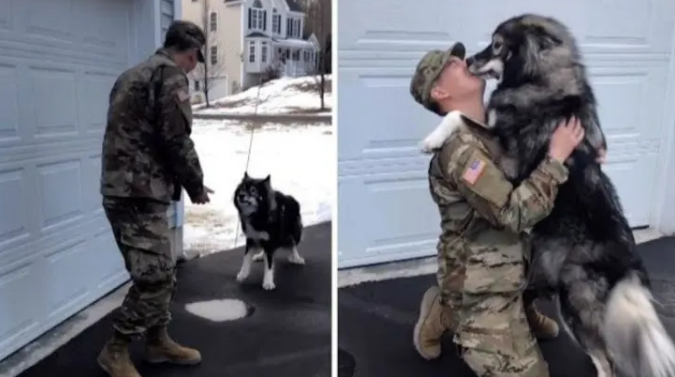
(160, 348)
(432, 323)
(114, 358)
(543, 327)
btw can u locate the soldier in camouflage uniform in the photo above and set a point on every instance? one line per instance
(482, 248)
(148, 158)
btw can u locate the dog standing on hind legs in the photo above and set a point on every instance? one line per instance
(270, 220)
(584, 252)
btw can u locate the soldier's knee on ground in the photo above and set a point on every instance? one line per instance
(492, 364)
(493, 332)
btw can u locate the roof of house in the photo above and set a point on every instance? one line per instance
(256, 34)
(292, 5)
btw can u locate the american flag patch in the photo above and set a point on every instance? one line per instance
(182, 96)
(473, 171)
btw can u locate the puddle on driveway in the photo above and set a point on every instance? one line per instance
(220, 310)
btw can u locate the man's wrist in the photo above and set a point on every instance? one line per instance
(555, 168)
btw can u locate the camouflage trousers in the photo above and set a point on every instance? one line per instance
(482, 286)
(141, 230)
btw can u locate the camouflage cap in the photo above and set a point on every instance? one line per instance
(187, 33)
(429, 69)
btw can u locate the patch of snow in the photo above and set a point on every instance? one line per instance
(281, 96)
(218, 310)
(300, 159)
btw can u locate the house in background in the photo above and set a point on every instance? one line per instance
(247, 39)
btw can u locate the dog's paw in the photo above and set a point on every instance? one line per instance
(296, 259)
(428, 145)
(241, 276)
(259, 257)
(450, 123)
(268, 285)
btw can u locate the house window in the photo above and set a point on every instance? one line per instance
(197, 85)
(293, 29)
(296, 28)
(276, 22)
(257, 17)
(251, 52)
(213, 21)
(214, 55)
(296, 55)
(263, 52)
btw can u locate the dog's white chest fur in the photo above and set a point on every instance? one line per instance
(255, 234)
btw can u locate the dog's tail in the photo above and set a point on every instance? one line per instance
(635, 337)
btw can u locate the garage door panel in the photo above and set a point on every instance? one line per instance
(634, 26)
(19, 317)
(96, 86)
(392, 122)
(13, 200)
(52, 90)
(67, 288)
(52, 19)
(631, 96)
(59, 193)
(632, 177)
(9, 114)
(393, 210)
(105, 268)
(376, 24)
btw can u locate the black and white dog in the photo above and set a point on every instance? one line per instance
(270, 220)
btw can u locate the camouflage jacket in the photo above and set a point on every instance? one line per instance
(147, 150)
(479, 207)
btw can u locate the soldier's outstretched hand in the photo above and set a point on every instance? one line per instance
(204, 197)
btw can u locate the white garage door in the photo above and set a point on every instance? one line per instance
(58, 61)
(385, 210)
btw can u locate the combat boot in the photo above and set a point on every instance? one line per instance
(543, 327)
(160, 348)
(114, 358)
(433, 322)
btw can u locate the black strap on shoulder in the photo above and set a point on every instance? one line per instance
(157, 82)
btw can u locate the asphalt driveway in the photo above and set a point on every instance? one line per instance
(376, 323)
(287, 332)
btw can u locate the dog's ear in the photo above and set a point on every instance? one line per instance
(268, 180)
(246, 176)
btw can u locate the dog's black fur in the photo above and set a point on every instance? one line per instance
(270, 220)
(584, 251)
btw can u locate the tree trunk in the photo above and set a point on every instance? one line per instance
(206, 84)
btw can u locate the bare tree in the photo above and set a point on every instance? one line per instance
(318, 22)
(209, 73)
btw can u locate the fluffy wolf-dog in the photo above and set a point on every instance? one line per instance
(583, 252)
(270, 221)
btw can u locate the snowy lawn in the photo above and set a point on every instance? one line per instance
(300, 159)
(282, 96)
